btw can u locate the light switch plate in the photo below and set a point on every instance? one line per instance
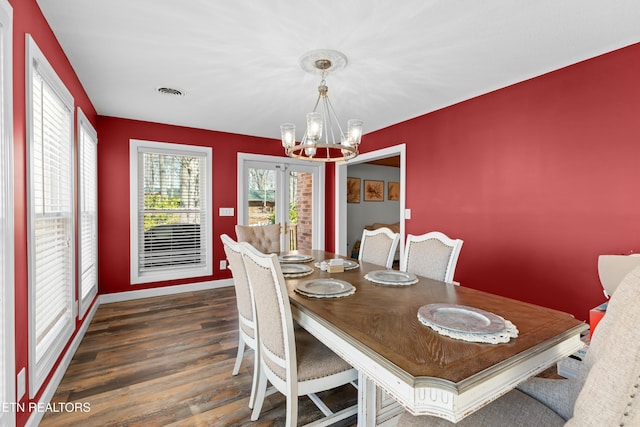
(226, 211)
(407, 214)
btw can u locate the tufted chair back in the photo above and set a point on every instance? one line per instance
(265, 238)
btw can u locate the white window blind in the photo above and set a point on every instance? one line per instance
(7, 320)
(172, 218)
(50, 164)
(88, 211)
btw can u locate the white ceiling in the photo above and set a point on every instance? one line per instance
(237, 60)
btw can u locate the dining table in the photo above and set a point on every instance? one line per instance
(404, 363)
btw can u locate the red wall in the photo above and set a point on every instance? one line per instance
(113, 191)
(538, 179)
(27, 18)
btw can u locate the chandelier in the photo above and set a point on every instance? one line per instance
(321, 140)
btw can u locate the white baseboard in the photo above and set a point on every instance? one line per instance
(53, 384)
(165, 290)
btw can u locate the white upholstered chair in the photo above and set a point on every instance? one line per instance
(291, 359)
(246, 311)
(606, 391)
(378, 246)
(265, 238)
(432, 255)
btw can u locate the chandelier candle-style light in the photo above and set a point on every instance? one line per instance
(335, 146)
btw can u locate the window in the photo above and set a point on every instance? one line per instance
(171, 232)
(7, 320)
(50, 215)
(87, 212)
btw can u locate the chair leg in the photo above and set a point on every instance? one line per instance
(260, 394)
(292, 410)
(254, 381)
(239, 356)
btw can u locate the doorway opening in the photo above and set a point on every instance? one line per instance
(344, 233)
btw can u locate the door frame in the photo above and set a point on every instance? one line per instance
(318, 190)
(341, 195)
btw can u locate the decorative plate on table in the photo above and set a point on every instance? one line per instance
(460, 318)
(391, 277)
(295, 270)
(325, 288)
(348, 264)
(294, 258)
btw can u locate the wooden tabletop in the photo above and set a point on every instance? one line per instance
(384, 320)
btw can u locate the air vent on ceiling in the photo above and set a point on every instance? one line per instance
(170, 91)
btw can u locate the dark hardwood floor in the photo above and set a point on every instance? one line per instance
(167, 361)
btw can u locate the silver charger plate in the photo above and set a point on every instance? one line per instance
(324, 287)
(348, 264)
(461, 318)
(294, 258)
(391, 277)
(340, 295)
(295, 270)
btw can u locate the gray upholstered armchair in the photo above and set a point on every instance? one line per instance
(606, 391)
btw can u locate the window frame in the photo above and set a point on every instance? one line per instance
(7, 279)
(84, 125)
(135, 147)
(41, 365)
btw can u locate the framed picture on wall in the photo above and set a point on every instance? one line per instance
(393, 191)
(373, 191)
(353, 190)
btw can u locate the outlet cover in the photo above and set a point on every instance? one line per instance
(223, 264)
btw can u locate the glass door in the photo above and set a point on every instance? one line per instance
(274, 191)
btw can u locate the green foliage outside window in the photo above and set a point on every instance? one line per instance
(155, 201)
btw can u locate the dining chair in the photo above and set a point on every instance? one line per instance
(433, 255)
(606, 391)
(378, 246)
(265, 238)
(291, 359)
(247, 330)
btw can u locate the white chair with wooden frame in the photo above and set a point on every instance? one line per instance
(378, 246)
(291, 359)
(265, 238)
(247, 329)
(433, 255)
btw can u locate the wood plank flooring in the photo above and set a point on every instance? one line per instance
(167, 361)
